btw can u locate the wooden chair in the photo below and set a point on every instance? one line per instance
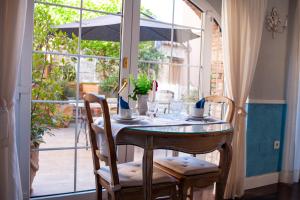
(227, 107)
(121, 181)
(192, 172)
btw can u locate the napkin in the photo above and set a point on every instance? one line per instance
(123, 103)
(200, 103)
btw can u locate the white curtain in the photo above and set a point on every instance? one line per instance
(242, 26)
(291, 158)
(12, 24)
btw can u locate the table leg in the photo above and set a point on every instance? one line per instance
(225, 162)
(148, 169)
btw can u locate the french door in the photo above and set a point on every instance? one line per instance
(57, 70)
(62, 61)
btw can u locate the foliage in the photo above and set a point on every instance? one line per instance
(142, 85)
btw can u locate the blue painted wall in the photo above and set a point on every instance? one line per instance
(265, 123)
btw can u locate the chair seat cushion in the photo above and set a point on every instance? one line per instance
(131, 174)
(187, 165)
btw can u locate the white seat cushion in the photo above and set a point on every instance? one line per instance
(187, 165)
(130, 174)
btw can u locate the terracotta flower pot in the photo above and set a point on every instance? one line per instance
(142, 104)
(34, 164)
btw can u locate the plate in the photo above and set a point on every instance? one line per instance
(196, 118)
(119, 119)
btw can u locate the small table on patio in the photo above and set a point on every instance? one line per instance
(190, 138)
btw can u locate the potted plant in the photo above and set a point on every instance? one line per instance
(40, 123)
(142, 85)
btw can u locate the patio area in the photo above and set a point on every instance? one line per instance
(56, 172)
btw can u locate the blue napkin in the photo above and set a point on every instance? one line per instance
(123, 103)
(200, 104)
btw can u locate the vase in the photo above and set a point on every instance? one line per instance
(142, 104)
(34, 164)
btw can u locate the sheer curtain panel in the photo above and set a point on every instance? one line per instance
(291, 156)
(242, 25)
(12, 24)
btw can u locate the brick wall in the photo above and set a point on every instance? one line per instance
(217, 70)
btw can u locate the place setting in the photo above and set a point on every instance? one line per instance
(198, 115)
(126, 115)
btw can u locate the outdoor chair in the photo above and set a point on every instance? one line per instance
(164, 98)
(121, 181)
(193, 172)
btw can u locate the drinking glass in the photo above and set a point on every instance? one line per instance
(152, 108)
(176, 106)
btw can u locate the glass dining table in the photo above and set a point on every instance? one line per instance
(194, 138)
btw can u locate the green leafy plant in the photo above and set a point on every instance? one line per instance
(142, 85)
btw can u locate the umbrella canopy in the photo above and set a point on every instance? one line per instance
(107, 28)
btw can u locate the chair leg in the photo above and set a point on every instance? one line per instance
(174, 194)
(220, 189)
(116, 196)
(191, 193)
(99, 191)
(86, 136)
(183, 189)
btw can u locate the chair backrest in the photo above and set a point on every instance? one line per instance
(165, 95)
(96, 154)
(164, 99)
(229, 110)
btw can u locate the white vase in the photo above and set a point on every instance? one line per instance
(142, 104)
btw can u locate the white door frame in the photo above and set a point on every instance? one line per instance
(23, 103)
(129, 52)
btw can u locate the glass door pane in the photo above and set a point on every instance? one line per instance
(76, 50)
(170, 51)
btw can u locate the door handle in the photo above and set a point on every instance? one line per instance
(124, 82)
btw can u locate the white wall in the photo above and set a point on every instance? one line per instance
(269, 78)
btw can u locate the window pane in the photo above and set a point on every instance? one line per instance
(187, 14)
(53, 77)
(55, 174)
(151, 10)
(74, 3)
(53, 125)
(99, 76)
(51, 32)
(111, 6)
(85, 170)
(100, 35)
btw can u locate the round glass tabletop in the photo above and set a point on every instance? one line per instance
(187, 128)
